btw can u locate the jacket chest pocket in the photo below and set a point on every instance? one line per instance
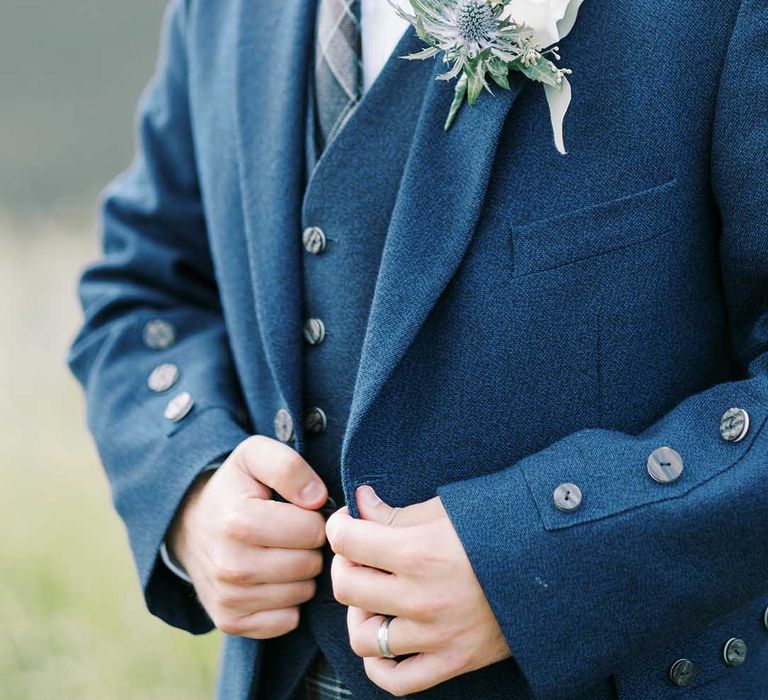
(593, 231)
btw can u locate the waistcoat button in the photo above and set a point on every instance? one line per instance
(735, 652)
(314, 240)
(681, 673)
(315, 421)
(665, 465)
(314, 331)
(283, 426)
(734, 425)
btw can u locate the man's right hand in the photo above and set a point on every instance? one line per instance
(253, 560)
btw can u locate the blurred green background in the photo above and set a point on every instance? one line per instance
(72, 623)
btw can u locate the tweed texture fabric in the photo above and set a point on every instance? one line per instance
(338, 66)
(536, 319)
(323, 683)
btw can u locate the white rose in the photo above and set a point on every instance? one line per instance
(549, 20)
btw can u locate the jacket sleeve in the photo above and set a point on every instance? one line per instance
(579, 593)
(156, 265)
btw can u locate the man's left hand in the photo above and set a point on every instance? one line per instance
(409, 564)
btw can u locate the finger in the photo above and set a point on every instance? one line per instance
(275, 524)
(372, 508)
(369, 589)
(240, 564)
(411, 675)
(265, 596)
(265, 624)
(404, 636)
(288, 565)
(282, 469)
(368, 543)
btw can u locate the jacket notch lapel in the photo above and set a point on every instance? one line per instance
(438, 206)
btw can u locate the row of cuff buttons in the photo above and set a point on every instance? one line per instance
(665, 465)
(161, 335)
(682, 672)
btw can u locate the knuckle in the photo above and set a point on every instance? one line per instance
(459, 660)
(319, 530)
(410, 556)
(225, 573)
(247, 448)
(307, 590)
(341, 592)
(393, 686)
(438, 604)
(252, 444)
(357, 642)
(227, 624)
(287, 622)
(420, 607)
(268, 624)
(342, 587)
(312, 564)
(226, 600)
(234, 526)
(223, 597)
(287, 466)
(339, 540)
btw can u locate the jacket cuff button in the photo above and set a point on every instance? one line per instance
(567, 497)
(734, 425)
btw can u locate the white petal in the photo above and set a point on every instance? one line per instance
(559, 8)
(565, 24)
(559, 99)
(537, 16)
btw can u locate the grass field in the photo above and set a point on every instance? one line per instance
(72, 623)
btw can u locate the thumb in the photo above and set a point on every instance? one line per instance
(372, 508)
(283, 470)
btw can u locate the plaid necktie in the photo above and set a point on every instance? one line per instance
(338, 68)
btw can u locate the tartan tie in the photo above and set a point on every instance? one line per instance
(338, 69)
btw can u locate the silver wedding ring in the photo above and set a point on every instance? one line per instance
(383, 638)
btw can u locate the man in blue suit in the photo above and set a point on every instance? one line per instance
(538, 382)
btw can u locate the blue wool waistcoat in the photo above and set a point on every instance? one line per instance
(350, 195)
(536, 320)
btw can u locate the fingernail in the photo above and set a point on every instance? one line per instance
(312, 492)
(369, 496)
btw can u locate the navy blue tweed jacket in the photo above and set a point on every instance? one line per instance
(537, 319)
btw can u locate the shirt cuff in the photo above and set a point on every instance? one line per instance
(174, 564)
(171, 561)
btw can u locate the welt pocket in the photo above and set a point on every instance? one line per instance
(577, 235)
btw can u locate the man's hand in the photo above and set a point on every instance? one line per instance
(409, 564)
(253, 560)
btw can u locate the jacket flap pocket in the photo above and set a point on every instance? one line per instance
(592, 231)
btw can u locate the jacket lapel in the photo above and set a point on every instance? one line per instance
(438, 206)
(273, 59)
